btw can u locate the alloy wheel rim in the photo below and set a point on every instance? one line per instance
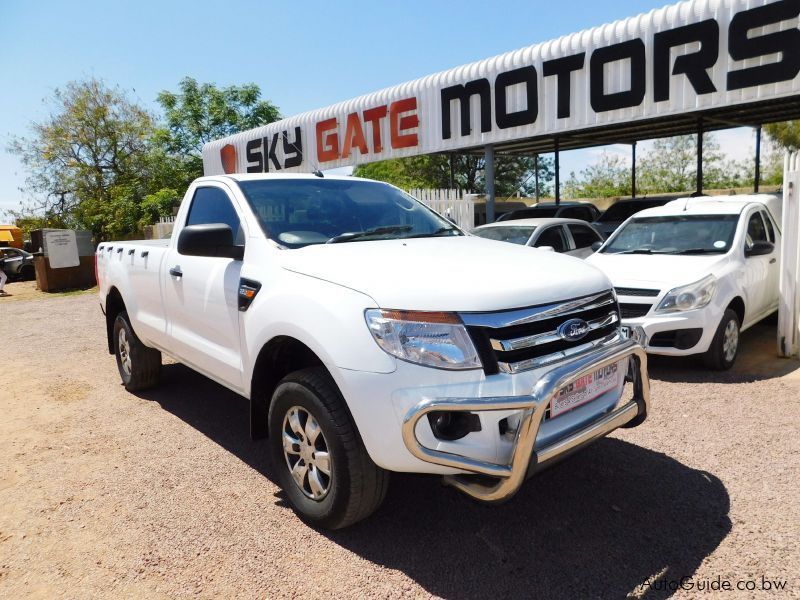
(730, 341)
(124, 352)
(306, 452)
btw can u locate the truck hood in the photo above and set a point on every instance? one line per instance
(467, 274)
(659, 271)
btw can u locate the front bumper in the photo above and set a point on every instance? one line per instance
(705, 319)
(525, 460)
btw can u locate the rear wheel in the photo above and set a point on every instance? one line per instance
(321, 462)
(139, 366)
(725, 346)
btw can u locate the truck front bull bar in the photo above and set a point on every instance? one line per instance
(524, 459)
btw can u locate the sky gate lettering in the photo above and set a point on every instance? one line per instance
(731, 60)
(743, 44)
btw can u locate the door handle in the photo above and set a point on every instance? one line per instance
(772, 261)
(176, 272)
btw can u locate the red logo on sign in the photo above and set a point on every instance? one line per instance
(228, 156)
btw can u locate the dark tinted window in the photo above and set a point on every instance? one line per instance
(583, 213)
(756, 232)
(553, 236)
(770, 230)
(583, 236)
(622, 210)
(212, 205)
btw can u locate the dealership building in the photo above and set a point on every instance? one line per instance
(689, 68)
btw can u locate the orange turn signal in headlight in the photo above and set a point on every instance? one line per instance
(422, 316)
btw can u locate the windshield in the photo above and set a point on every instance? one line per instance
(301, 212)
(688, 234)
(622, 210)
(515, 235)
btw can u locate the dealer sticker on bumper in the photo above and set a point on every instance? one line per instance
(586, 388)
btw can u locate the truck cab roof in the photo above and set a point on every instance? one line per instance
(716, 205)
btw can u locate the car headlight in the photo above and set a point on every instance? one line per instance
(434, 339)
(689, 297)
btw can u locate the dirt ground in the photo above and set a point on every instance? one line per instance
(163, 495)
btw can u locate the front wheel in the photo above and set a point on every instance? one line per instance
(724, 348)
(321, 462)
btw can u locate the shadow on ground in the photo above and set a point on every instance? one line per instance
(597, 525)
(757, 360)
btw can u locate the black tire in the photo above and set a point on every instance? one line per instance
(356, 486)
(139, 365)
(27, 273)
(719, 355)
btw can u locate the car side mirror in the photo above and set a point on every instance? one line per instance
(212, 239)
(759, 249)
(596, 246)
(547, 248)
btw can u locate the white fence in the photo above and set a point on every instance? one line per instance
(452, 204)
(789, 309)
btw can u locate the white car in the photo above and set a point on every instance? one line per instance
(568, 236)
(371, 335)
(695, 272)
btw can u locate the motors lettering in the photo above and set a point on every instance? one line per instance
(745, 41)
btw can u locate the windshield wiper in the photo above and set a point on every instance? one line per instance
(638, 251)
(436, 233)
(699, 251)
(354, 235)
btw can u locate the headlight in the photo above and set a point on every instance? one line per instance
(434, 339)
(689, 297)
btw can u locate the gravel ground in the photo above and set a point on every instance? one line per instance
(108, 494)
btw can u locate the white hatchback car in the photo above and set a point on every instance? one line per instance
(695, 272)
(567, 236)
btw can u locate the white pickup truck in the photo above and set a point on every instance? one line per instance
(371, 335)
(695, 272)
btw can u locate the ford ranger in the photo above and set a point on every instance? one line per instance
(371, 335)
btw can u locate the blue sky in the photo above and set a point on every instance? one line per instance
(303, 55)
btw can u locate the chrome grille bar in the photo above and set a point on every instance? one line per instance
(541, 361)
(547, 337)
(524, 316)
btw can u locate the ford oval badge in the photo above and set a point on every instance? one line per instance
(573, 330)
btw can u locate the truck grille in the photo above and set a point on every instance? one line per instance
(636, 292)
(517, 340)
(631, 311)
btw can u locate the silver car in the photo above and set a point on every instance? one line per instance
(17, 264)
(568, 236)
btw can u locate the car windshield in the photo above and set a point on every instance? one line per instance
(682, 234)
(515, 235)
(622, 210)
(301, 212)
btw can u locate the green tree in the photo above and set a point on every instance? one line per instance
(609, 176)
(785, 134)
(512, 173)
(85, 161)
(200, 113)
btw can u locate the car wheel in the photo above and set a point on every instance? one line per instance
(139, 366)
(724, 348)
(27, 273)
(319, 457)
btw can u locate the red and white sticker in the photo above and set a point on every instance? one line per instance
(586, 388)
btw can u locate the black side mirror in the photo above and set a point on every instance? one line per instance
(759, 249)
(596, 246)
(212, 239)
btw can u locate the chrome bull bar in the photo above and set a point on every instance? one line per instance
(524, 460)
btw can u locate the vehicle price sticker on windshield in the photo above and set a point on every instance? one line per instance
(586, 388)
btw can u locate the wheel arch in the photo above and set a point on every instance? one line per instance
(114, 305)
(737, 306)
(280, 356)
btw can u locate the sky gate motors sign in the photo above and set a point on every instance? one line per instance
(688, 57)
